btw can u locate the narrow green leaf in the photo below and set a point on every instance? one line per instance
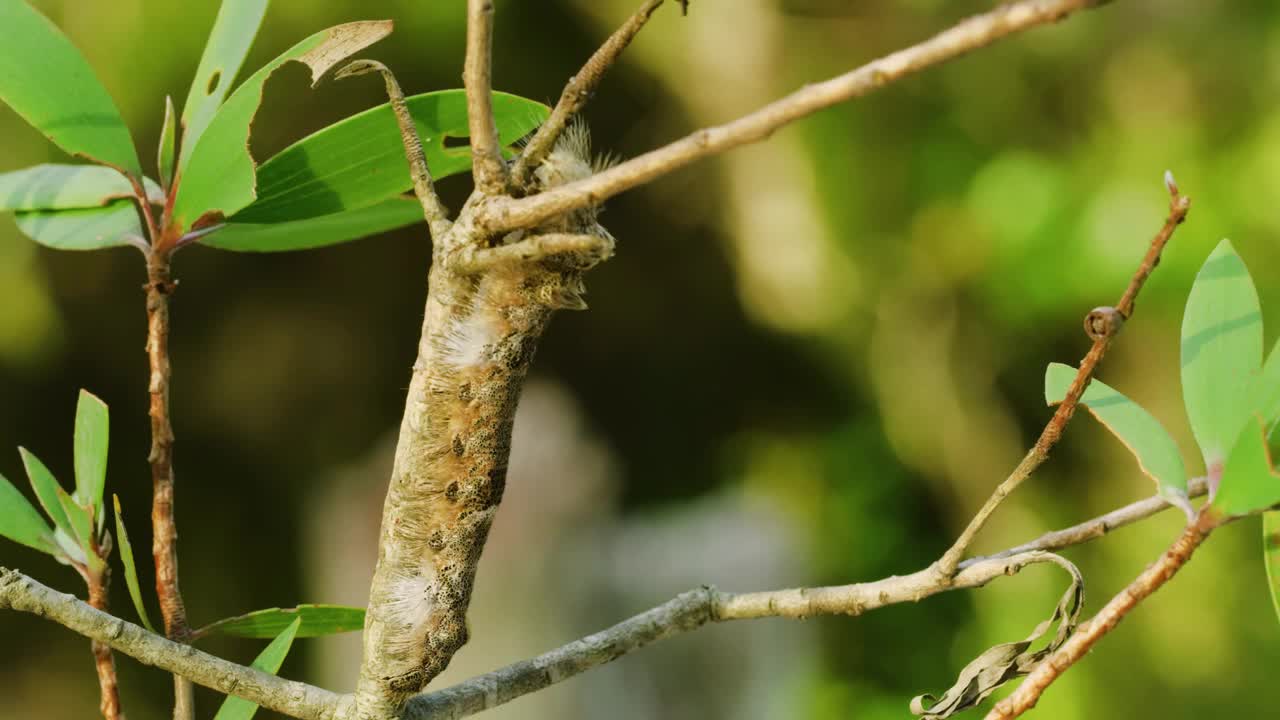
(46, 80)
(58, 187)
(360, 161)
(130, 567)
(317, 232)
(1249, 481)
(115, 225)
(46, 487)
(268, 661)
(164, 153)
(1221, 352)
(316, 621)
(78, 518)
(229, 42)
(1271, 553)
(1157, 454)
(93, 426)
(218, 177)
(21, 523)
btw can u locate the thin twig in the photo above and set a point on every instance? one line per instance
(488, 168)
(504, 214)
(1102, 325)
(103, 660)
(437, 216)
(1090, 632)
(1097, 527)
(164, 544)
(577, 92)
(19, 592)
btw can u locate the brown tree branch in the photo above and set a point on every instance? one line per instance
(434, 211)
(506, 214)
(488, 168)
(1091, 631)
(686, 612)
(1102, 325)
(577, 92)
(295, 699)
(103, 660)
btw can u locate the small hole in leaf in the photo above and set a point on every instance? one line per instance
(455, 143)
(213, 82)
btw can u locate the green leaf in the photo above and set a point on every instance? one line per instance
(130, 567)
(46, 80)
(115, 225)
(21, 523)
(164, 153)
(229, 42)
(218, 178)
(1221, 352)
(1271, 553)
(46, 487)
(78, 518)
(57, 187)
(1158, 455)
(93, 425)
(360, 161)
(1249, 481)
(317, 232)
(316, 621)
(269, 661)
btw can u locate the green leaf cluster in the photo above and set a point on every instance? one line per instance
(1232, 400)
(344, 182)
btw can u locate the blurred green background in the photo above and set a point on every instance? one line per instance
(809, 362)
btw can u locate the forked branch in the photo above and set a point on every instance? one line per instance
(488, 168)
(508, 214)
(1102, 325)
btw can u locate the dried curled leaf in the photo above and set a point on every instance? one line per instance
(1003, 663)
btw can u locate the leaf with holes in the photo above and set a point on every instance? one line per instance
(1157, 454)
(316, 621)
(21, 523)
(218, 178)
(46, 80)
(59, 187)
(319, 231)
(360, 161)
(115, 225)
(1221, 352)
(130, 567)
(269, 661)
(229, 41)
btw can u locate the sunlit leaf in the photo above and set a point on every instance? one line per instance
(360, 161)
(229, 42)
(46, 487)
(83, 229)
(46, 80)
(78, 518)
(164, 153)
(1157, 454)
(317, 232)
(93, 425)
(130, 567)
(1221, 352)
(21, 523)
(56, 187)
(269, 661)
(316, 621)
(218, 178)
(1249, 482)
